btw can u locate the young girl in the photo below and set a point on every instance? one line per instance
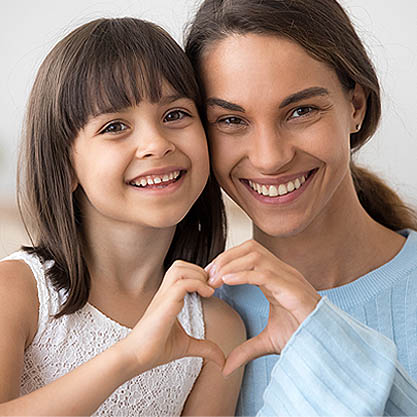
(329, 282)
(96, 317)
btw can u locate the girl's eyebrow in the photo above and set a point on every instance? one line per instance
(165, 100)
(303, 94)
(171, 98)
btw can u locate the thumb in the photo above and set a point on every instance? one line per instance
(244, 353)
(207, 350)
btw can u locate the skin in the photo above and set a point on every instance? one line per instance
(128, 232)
(292, 119)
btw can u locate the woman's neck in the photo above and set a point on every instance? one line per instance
(339, 246)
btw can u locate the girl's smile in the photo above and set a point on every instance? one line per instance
(152, 159)
(166, 180)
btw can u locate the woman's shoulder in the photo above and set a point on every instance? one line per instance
(223, 324)
(18, 297)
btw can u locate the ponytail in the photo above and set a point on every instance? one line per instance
(381, 202)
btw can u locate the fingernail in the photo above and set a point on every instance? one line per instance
(212, 279)
(228, 278)
(208, 267)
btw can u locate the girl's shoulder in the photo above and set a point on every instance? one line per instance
(223, 324)
(18, 297)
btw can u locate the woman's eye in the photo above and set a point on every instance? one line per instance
(231, 122)
(302, 112)
(114, 127)
(175, 115)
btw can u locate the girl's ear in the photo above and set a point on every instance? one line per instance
(74, 180)
(74, 185)
(358, 98)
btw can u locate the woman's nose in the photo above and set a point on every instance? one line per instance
(268, 151)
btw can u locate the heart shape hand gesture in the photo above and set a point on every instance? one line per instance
(158, 337)
(291, 297)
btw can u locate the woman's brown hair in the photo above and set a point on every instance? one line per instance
(103, 66)
(324, 30)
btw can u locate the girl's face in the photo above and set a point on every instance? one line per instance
(143, 165)
(279, 123)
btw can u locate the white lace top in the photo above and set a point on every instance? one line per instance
(63, 344)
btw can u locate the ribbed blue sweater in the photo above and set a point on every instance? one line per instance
(356, 354)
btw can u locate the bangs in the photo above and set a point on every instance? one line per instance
(122, 62)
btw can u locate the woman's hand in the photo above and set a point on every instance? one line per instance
(290, 296)
(158, 337)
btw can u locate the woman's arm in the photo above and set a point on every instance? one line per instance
(335, 365)
(213, 394)
(330, 364)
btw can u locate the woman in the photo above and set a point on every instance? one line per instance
(290, 96)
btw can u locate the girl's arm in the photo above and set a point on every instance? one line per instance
(81, 391)
(213, 394)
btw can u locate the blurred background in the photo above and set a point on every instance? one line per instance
(29, 30)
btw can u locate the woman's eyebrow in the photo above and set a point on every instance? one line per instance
(303, 94)
(213, 101)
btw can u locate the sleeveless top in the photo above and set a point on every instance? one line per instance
(62, 344)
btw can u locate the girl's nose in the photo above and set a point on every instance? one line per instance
(154, 144)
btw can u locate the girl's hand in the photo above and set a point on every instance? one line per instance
(158, 337)
(290, 296)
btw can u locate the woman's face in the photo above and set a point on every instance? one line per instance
(279, 124)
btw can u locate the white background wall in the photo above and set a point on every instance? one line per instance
(389, 28)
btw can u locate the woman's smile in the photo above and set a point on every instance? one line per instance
(281, 190)
(279, 125)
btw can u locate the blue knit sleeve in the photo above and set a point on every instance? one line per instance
(336, 366)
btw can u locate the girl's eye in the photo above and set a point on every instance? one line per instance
(114, 127)
(302, 112)
(175, 115)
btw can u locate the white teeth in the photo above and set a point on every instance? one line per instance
(282, 189)
(297, 183)
(277, 190)
(273, 192)
(151, 180)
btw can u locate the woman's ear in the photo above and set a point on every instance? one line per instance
(358, 98)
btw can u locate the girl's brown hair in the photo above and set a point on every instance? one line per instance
(103, 66)
(324, 30)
